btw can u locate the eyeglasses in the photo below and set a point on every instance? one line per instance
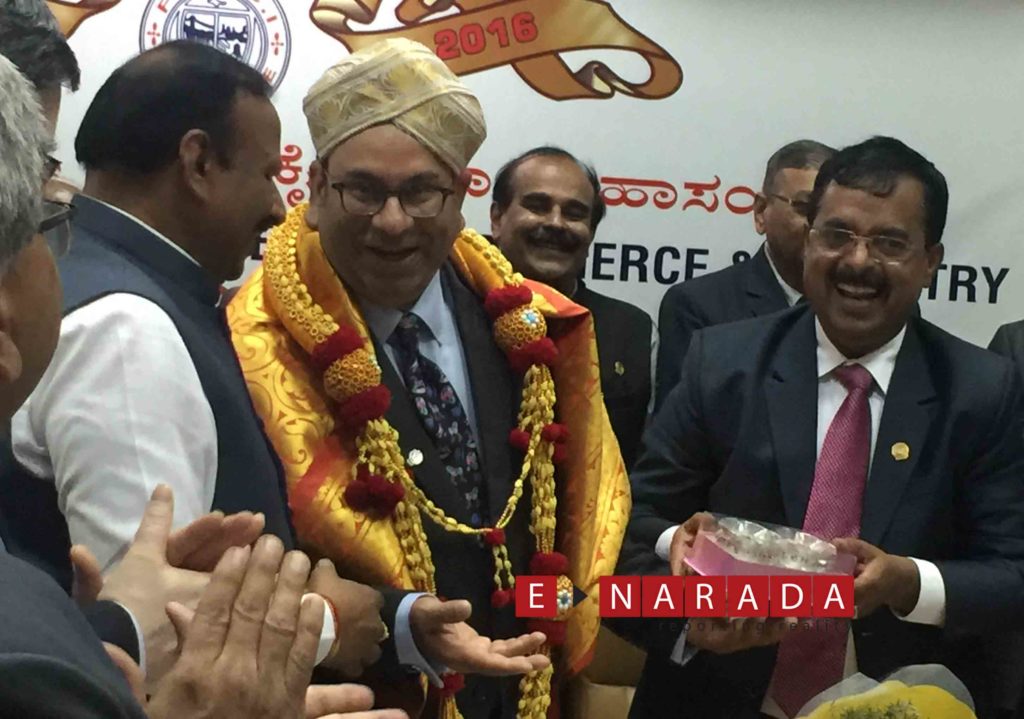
(417, 202)
(56, 227)
(800, 207)
(891, 250)
(51, 166)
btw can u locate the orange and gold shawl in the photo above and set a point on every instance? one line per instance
(592, 486)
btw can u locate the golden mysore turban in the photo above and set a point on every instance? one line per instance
(401, 82)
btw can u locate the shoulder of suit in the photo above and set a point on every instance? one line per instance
(1011, 331)
(93, 260)
(743, 344)
(726, 281)
(753, 329)
(92, 270)
(606, 303)
(29, 590)
(960, 357)
(45, 639)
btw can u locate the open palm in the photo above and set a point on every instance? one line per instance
(443, 637)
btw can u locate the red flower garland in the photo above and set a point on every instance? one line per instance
(553, 630)
(558, 434)
(360, 408)
(332, 349)
(494, 537)
(453, 684)
(549, 564)
(372, 494)
(555, 432)
(502, 299)
(519, 439)
(543, 351)
(502, 597)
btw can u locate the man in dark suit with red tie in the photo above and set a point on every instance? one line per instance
(768, 282)
(854, 419)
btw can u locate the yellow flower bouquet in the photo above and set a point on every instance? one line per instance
(927, 691)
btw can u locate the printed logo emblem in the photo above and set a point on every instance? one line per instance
(254, 31)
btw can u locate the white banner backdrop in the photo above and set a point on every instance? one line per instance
(678, 171)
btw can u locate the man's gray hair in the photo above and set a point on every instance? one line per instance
(31, 38)
(36, 10)
(24, 143)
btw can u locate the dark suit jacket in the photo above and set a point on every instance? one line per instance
(1009, 342)
(464, 567)
(51, 662)
(624, 334)
(738, 436)
(1005, 654)
(746, 289)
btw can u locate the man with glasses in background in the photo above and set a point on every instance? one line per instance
(770, 281)
(858, 421)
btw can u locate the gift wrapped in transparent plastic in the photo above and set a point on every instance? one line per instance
(732, 546)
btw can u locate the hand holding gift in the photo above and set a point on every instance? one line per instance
(727, 546)
(881, 579)
(717, 545)
(683, 539)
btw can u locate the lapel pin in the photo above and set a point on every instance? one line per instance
(415, 458)
(900, 451)
(620, 369)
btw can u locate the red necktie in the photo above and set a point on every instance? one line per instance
(810, 661)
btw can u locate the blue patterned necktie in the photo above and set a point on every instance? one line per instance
(441, 413)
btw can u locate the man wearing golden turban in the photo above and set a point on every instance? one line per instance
(407, 378)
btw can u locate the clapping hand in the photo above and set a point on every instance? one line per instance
(250, 649)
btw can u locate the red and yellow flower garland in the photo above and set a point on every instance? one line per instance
(382, 487)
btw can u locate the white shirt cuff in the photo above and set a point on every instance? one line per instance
(681, 652)
(663, 547)
(139, 635)
(406, 650)
(931, 602)
(327, 634)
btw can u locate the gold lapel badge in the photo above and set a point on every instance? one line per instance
(900, 451)
(620, 369)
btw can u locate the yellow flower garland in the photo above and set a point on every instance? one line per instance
(377, 445)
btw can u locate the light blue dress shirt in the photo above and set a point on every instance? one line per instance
(443, 347)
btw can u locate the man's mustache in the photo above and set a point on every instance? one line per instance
(562, 238)
(868, 277)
